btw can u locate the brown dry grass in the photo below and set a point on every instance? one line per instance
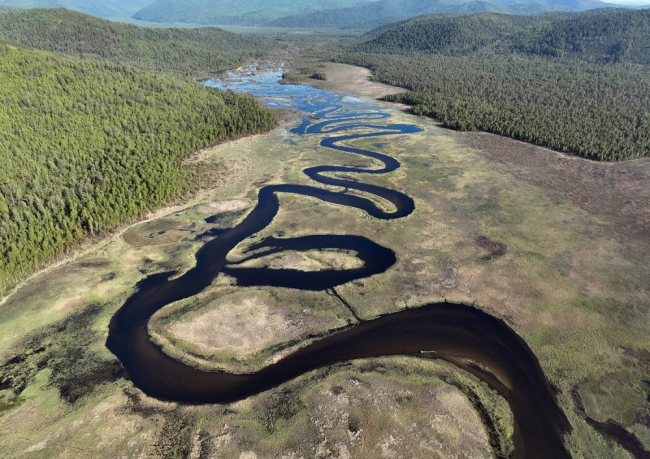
(380, 417)
(310, 260)
(354, 80)
(617, 193)
(233, 328)
(244, 327)
(223, 206)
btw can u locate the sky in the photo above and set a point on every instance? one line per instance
(629, 2)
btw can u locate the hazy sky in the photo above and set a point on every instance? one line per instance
(629, 2)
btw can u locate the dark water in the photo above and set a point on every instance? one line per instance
(454, 331)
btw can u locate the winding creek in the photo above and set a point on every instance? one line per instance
(460, 334)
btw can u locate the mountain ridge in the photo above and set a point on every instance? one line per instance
(107, 9)
(231, 12)
(340, 14)
(387, 11)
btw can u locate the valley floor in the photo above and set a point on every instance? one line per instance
(556, 246)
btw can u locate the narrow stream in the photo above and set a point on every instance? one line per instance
(455, 332)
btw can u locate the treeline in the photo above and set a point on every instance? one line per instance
(108, 9)
(87, 146)
(472, 78)
(183, 52)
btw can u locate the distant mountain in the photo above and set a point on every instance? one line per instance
(339, 14)
(374, 14)
(233, 12)
(186, 52)
(108, 9)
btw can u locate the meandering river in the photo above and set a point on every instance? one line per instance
(458, 333)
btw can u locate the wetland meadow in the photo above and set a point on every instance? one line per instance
(352, 222)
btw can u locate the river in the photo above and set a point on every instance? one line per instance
(458, 333)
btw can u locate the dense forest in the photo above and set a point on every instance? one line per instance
(602, 36)
(184, 52)
(450, 35)
(86, 146)
(609, 36)
(467, 72)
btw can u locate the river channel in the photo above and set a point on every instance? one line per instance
(460, 334)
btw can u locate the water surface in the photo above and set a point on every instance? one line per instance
(458, 333)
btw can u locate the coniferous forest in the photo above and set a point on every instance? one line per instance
(576, 85)
(86, 146)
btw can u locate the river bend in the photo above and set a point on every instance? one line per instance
(455, 332)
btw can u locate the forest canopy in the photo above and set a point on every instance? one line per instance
(534, 79)
(183, 52)
(87, 146)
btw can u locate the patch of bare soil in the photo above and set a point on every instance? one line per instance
(355, 80)
(242, 328)
(617, 193)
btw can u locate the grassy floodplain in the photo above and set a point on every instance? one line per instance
(572, 283)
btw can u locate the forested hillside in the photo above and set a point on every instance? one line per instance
(466, 72)
(186, 52)
(109, 9)
(449, 34)
(242, 12)
(612, 36)
(603, 36)
(86, 146)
